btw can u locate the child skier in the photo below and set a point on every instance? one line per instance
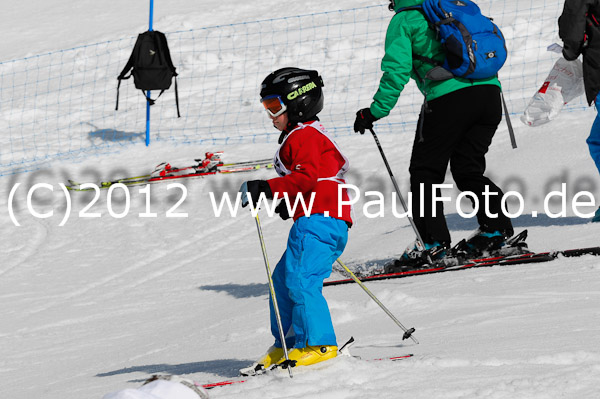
(308, 162)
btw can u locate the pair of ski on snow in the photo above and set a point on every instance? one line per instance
(492, 260)
(344, 351)
(211, 164)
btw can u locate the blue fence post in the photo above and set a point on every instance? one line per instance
(149, 94)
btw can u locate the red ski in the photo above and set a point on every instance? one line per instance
(533, 257)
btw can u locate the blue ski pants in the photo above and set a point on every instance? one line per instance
(314, 243)
(593, 141)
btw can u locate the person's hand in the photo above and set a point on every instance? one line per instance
(364, 120)
(282, 210)
(570, 54)
(252, 189)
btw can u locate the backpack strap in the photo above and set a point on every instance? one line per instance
(151, 101)
(177, 97)
(122, 76)
(417, 7)
(118, 86)
(511, 132)
(437, 73)
(163, 39)
(128, 67)
(130, 62)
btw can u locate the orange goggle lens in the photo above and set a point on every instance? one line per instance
(274, 105)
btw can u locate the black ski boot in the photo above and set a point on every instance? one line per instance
(486, 244)
(413, 259)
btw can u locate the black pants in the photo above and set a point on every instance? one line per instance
(457, 130)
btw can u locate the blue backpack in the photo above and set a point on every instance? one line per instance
(474, 46)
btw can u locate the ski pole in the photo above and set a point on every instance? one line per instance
(420, 242)
(287, 364)
(407, 332)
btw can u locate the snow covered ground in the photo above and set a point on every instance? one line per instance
(102, 303)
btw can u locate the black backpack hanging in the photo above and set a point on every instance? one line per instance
(152, 66)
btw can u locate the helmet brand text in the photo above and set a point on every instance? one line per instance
(301, 90)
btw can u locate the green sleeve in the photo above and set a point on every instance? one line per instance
(396, 66)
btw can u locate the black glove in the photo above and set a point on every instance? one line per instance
(364, 120)
(254, 188)
(282, 210)
(570, 53)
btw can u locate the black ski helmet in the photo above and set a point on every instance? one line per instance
(392, 5)
(299, 89)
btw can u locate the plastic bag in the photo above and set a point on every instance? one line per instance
(563, 84)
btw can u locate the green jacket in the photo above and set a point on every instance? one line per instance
(409, 33)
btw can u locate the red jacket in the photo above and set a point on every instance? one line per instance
(309, 161)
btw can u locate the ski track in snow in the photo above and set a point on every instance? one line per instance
(157, 261)
(28, 247)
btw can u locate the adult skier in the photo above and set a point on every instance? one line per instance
(457, 127)
(579, 28)
(308, 163)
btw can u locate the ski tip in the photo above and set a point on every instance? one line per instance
(73, 185)
(393, 358)
(344, 350)
(222, 384)
(401, 357)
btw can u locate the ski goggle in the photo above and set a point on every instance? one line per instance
(274, 105)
